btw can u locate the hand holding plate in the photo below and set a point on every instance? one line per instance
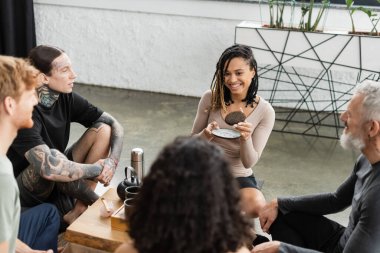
(210, 127)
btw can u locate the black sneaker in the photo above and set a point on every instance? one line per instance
(259, 239)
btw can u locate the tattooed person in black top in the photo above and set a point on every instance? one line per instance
(48, 171)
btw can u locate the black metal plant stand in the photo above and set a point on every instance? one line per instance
(309, 96)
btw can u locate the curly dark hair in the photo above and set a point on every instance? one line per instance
(189, 202)
(221, 95)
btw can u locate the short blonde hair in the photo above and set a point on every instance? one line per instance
(16, 75)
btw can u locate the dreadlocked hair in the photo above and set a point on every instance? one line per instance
(221, 95)
(189, 202)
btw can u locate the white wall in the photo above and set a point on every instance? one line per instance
(168, 46)
(142, 50)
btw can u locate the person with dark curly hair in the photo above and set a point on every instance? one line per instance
(188, 203)
(234, 89)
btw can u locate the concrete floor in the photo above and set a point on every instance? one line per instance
(290, 164)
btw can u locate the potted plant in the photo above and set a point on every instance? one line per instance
(308, 74)
(373, 17)
(307, 21)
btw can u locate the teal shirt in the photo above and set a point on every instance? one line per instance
(9, 205)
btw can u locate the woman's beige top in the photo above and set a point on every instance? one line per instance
(243, 155)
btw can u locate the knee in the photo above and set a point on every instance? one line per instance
(253, 202)
(52, 220)
(50, 210)
(53, 217)
(253, 208)
(103, 130)
(44, 215)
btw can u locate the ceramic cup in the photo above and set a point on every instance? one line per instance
(128, 206)
(131, 192)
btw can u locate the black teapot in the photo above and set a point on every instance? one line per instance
(132, 181)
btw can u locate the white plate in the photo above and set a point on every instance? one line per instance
(226, 133)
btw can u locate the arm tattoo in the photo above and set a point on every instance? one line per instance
(80, 189)
(117, 134)
(53, 165)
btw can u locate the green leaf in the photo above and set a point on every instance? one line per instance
(349, 3)
(365, 10)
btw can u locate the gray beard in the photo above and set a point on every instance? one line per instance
(347, 141)
(47, 96)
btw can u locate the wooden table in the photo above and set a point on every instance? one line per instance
(91, 230)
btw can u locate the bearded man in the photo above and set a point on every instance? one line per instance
(298, 225)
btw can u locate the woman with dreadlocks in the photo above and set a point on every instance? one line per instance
(234, 89)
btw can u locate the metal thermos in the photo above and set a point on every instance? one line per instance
(137, 162)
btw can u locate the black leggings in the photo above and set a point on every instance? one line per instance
(308, 231)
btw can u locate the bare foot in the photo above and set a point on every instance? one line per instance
(72, 215)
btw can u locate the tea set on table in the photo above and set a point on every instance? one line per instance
(128, 189)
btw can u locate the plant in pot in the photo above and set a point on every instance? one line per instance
(373, 17)
(306, 23)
